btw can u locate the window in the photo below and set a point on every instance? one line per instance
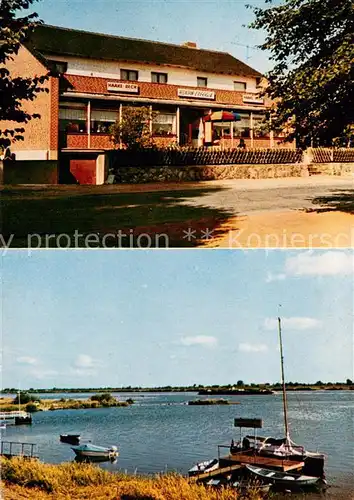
(131, 75)
(72, 120)
(241, 128)
(260, 126)
(101, 120)
(158, 77)
(240, 85)
(202, 82)
(164, 124)
(59, 66)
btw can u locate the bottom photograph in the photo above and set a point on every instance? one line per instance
(175, 374)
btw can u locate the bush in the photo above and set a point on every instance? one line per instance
(105, 397)
(31, 407)
(24, 398)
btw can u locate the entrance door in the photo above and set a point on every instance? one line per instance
(84, 170)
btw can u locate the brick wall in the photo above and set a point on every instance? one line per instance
(77, 141)
(164, 142)
(101, 142)
(39, 137)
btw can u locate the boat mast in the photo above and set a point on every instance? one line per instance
(285, 406)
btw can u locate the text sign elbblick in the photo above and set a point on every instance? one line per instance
(252, 99)
(196, 94)
(131, 88)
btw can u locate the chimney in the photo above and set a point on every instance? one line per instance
(190, 45)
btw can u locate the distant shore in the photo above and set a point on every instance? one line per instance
(221, 389)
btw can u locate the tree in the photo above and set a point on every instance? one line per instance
(15, 90)
(312, 82)
(24, 398)
(133, 131)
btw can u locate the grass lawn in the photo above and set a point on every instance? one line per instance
(55, 210)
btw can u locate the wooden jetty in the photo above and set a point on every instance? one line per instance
(262, 461)
(238, 461)
(16, 417)
(10, 449)
(215, 472)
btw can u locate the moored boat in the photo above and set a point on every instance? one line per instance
(206, 466)
(92, 451)
(246, 487)
(268, 453)
(284, 479)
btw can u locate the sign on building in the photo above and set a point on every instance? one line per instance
(196, 94)
(130, 88)
(252, 99)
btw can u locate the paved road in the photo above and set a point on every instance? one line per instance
(245, 197)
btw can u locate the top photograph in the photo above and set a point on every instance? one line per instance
(210, 124)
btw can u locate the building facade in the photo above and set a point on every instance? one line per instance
(93, 77)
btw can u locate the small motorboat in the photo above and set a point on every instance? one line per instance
(93, 452)
(287, 479)
(248, 487)
(2, 425)
(201, 467)
(70, 438)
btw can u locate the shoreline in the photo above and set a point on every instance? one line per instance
(27, 479)
(7, 405)
(343, 386)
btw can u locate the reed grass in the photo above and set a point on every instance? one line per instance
(29, 479)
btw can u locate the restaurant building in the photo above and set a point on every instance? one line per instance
(93, 77)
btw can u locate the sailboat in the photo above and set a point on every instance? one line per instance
(284, 447)
(259, 456)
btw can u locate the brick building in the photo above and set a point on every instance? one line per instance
(94, 76)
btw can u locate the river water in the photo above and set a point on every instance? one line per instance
(160, 432)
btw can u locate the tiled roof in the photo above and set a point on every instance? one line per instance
(69, 42)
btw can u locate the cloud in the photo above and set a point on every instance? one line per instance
(26, 360)
(331, 263)
(85, 365)
(275, 277)
(84, 361)
(294, 323)
(43, 373)
(244, 347)
(202, 340)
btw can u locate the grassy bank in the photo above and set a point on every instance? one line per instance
(28, 479)
(6, 404)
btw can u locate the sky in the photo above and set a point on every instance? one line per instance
(213, 24)
(175, 317)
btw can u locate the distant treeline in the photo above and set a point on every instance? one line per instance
(348, 384)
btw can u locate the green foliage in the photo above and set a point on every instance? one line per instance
(31, 407)
(102, 398)
(133, 131)
(24, 398)
(14, 90)
(312, 45)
